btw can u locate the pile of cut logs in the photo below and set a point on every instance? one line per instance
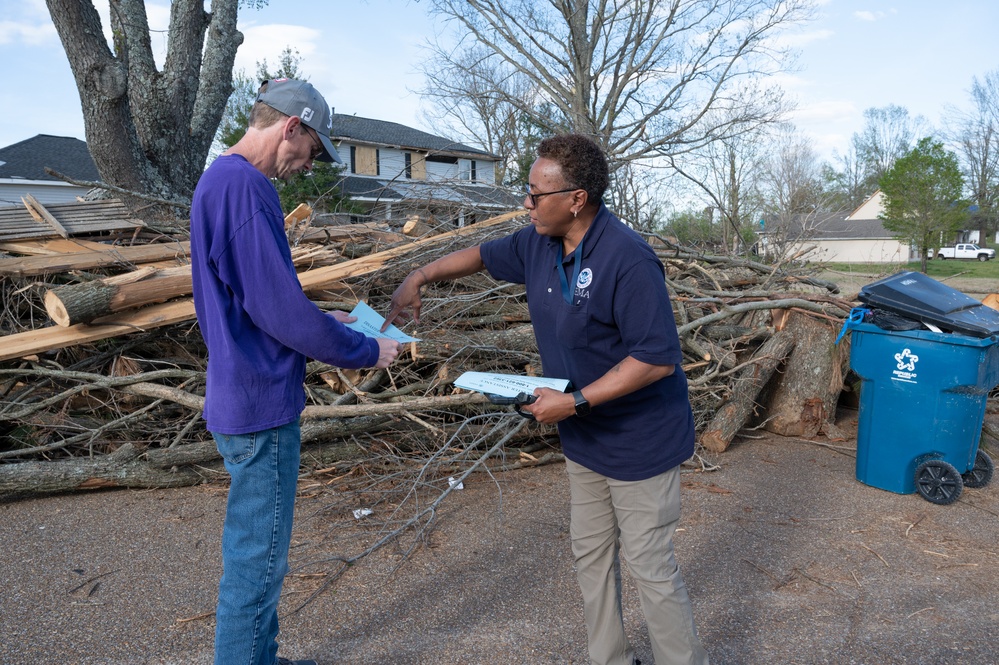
(102, 365)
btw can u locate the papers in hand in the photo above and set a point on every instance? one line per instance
(507, 385)
(370, 323)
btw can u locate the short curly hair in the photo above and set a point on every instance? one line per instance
(583, 163)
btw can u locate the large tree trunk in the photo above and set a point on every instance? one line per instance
(742, 403)
(150, 131)
(801, 401)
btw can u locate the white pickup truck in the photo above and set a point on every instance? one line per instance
(966, 251)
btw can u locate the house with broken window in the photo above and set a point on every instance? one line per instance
(398, 173)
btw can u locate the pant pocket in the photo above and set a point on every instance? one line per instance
(234, 448)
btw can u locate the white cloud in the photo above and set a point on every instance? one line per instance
(804, 38)
(873, 16)
(158, 18)
(829, 124)
(826, 112)
(29, 34)
(267, 42)
(27, 23)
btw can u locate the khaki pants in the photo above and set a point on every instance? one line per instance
(643, 515)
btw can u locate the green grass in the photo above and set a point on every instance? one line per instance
(934, 268)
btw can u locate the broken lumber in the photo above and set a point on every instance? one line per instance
(50, 247)
(31, 342)
(801, 400)
(112, 256)
(42, 215)
(88, 301)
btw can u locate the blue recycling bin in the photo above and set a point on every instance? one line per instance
(922, 404)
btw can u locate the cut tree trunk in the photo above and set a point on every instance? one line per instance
(82, 303)
(801, 401)
(741, 404)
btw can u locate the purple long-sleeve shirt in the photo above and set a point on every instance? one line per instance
(257, 322)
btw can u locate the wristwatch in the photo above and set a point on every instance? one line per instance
(582, 406)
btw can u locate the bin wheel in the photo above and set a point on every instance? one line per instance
(981, 474)
(938, 482)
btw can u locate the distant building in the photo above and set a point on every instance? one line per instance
(848, 237)
(394, 172)
(22, 169)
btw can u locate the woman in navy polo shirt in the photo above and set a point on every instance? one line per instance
(602, 319)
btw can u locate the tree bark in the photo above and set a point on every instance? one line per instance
(742, 402)
(82, 303)
(150, 131)
(801, 401)
(101, 80)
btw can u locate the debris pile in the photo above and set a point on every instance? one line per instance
(102, 364)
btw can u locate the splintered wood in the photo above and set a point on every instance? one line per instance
(103, 368)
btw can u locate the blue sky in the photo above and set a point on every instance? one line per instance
(362, 55)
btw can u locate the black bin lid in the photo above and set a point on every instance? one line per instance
(924, 299)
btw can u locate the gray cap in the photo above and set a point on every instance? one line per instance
(300, 98)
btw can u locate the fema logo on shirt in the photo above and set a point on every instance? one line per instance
(584, 280)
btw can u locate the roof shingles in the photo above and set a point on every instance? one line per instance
(27, 159)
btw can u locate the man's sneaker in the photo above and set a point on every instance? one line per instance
(285, 661)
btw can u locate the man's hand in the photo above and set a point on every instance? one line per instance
(551, 406)
(388, 350)
(342, 317)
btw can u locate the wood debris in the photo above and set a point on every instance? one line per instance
(102, 364)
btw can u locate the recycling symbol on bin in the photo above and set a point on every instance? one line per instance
(906, 360)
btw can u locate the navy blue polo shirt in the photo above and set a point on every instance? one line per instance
(620, 307)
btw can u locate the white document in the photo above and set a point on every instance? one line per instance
(507, 385)
(370, 323)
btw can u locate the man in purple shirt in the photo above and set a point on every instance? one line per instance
(602, 318)
(259, 328)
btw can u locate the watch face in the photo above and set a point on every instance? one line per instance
(582, 406)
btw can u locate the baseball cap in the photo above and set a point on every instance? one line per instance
(300, 98)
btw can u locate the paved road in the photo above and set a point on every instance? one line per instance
(788, 559)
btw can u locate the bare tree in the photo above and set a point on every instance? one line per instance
(888, 134)
(849, 186)
(791, 190)
(639, 76)
(640, 193)
(791, 177)
(728, 174)
(150, 130)
(975, 137)
(479, 100)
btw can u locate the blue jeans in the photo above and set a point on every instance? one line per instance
(255, 540)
